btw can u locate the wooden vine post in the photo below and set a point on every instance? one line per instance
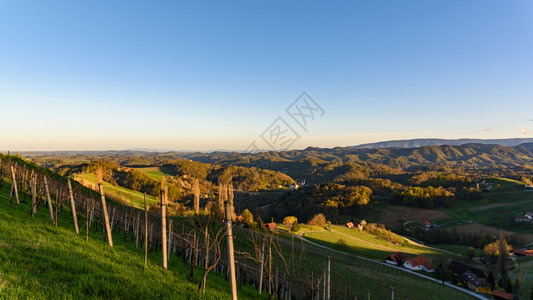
(324, 284)
(230, 251)
(73, 207)
(33, 193)
(169, 238)
(87, 219)
(328, 279)
(164, 223)
(262, 266)
(145, 230)
(48, 200)
(14, 186)
(106, 217)
(196, 192)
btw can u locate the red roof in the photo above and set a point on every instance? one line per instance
(502, 295)
(421, 260)
(272, 226)
(523, 252)
(349, 225)
(424, 222)
(397, 257)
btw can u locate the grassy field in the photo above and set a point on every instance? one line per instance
(303, 228)
(38, 261)
(365, 244)
(505, 184)
(497, 210)
(360, 274)
(507, 199)
(157, 173)
(457, 249)
(133, 197)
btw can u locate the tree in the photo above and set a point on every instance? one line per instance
(442, 274)
(318, 220)
(491, 280)
(247, 217)
(503, 249)
(508, 285)
(470, 252)
(295, 227)
(289, 220)
(526, 181)
(213, 237)
(493, 249)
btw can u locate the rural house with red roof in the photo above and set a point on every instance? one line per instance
(499, 295)
(396, 259)
(519, 252)
(419, 263)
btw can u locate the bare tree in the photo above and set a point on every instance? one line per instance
(214, 235)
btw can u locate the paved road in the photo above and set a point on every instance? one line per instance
(479, 296)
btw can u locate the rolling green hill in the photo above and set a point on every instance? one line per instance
(38, 261)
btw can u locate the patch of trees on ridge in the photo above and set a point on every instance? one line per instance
(332, 199)
(185, 171)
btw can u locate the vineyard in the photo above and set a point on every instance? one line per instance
(60, 238)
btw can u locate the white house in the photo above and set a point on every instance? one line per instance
(420, 263)
(529, 215)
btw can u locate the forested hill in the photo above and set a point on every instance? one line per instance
(468, 156)
(326, 164)
(415, 143)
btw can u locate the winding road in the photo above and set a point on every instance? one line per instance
(466, 291)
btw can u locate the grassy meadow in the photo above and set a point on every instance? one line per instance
(135, 198)
(157, 173)
(38, 261)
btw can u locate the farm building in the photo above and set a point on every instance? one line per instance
(457, 268)
(470, 280)
(529, 215)
(271, 226)
(419, 263)
(522, 219)
(396, 259)
(424, 222)
(349, 225)
(519, 252)
(499, 295)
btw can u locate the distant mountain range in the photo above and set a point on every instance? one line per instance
(417, 143)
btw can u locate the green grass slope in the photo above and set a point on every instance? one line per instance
(157, 173)
(132, 197)
(38, 261)
(365, 244)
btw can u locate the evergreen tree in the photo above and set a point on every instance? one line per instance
(508, 285)
(491, 280)
(295, 227)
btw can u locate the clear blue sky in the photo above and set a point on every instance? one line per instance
(199, 75)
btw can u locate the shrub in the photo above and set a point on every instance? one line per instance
(247, 217)
(382, 232)
(289, 220)
(295, 227)
(318, 220)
